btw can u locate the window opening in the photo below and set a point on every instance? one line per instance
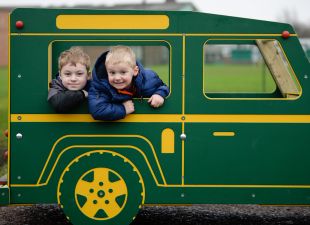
(155, 57)
(247, 69)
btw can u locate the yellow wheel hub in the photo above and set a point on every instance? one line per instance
(101, 193)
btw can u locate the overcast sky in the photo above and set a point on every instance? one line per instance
(275, 10)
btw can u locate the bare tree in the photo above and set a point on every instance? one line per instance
(291, 16)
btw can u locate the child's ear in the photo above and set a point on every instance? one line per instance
(59, 74)
(135, 71)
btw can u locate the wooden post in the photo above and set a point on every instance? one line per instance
(278, 69)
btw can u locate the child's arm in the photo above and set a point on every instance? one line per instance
(129, 107)
(159, 90)
(64, 101)
(101, 107)
(162, 90)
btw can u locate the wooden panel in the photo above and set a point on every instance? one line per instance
(278, 68)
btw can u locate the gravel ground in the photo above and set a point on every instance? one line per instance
(164, 215)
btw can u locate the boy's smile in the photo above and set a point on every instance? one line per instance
(120, 75)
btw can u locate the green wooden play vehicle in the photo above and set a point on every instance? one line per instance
(223, 136)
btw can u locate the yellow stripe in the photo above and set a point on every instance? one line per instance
(183, 104)
(88, 118)
(240, 186)
(224, 134)
(240, 35)
(209, 186)
(183, 73)
(165, 118)
(147, 34)
(183, 155)
(248, 118)
(95, 34)
(159, 22)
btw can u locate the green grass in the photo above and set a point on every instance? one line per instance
(3, 169)
(3, 116)
(247, 78)
(3, 105)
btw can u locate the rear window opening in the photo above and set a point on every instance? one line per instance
(248, 69)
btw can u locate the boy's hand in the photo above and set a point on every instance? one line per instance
(129, 106)
(156, 101)
(85, 93)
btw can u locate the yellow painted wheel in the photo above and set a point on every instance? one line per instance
(106, 193)
(100, 188)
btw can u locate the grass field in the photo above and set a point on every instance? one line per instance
(248, 78)
(3, 116)
(3, 104)
(244, 78)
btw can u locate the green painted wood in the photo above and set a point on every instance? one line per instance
(187, 22)
(258, 154)
(4, 195)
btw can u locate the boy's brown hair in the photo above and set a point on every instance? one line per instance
(73, 56)
(121, 54)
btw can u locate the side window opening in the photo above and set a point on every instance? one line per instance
(155, 57)
(247, 69)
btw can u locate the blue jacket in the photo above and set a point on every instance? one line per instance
(105, 102)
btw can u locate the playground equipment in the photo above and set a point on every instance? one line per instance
(199, 148)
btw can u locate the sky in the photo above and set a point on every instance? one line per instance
(273, 10)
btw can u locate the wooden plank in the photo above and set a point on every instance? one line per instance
(278, 68)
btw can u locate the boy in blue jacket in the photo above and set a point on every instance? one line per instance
(117, 78)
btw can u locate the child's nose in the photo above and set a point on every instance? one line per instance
(117, 77)
(73, 77)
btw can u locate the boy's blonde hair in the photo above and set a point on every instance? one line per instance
(121, 54)
(73, 56)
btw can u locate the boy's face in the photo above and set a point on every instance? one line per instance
(74, 77)
(120, 75)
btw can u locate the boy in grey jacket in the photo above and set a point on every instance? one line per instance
(70, 87)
